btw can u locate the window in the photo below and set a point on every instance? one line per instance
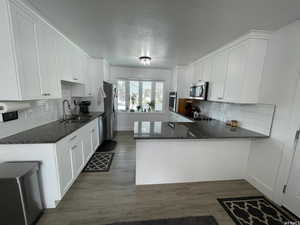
(140, 96)
(121, 95)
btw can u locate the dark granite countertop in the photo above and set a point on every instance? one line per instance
(213, 129)
(50, 132)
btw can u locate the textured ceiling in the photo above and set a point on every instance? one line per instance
(172, 32)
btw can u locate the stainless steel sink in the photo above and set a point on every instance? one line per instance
(76, 119)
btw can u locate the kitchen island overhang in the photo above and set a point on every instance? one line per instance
(186, 154)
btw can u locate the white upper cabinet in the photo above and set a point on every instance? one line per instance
(34, 56)
(185, 80)
(64, 50)
(198, 71)
(207, 68)
(235, 70)
(182, 85)
(49, 74)
(24, 27)
(190, 75)
(201, 70)
(90, 81)
(70, 61)
(77, 65)
(218, 76)
(245, 67)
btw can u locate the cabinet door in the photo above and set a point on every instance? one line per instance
(198, 71)
(64, 61)
(87, 145)
(186, 80)
(24, 29)
(236, 71)
(64, 166)
(183, 85)
(76, 151)
(207, 67)
(218, 76)
(94, 136)
(77, 65)
(89, 80)
(50, 83)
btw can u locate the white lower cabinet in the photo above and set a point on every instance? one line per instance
(64, 166)
(61, 162)
(76, 152)
(94, 132)
(87, 147)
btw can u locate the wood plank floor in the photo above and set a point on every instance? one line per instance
(102, 198)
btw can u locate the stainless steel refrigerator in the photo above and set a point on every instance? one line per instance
(110, 117)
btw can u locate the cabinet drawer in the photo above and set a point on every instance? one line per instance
(73, 138)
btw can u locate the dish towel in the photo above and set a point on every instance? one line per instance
(101, 95)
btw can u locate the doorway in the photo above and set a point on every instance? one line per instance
(291, 199)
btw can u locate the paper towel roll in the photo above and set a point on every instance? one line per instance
(13, 106)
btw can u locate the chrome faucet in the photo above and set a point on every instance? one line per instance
(64, 109)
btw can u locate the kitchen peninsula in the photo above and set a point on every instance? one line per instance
(180, 152)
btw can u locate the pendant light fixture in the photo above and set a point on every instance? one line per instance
(145, 60)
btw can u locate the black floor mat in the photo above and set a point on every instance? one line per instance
(107, 146)
(199, 220)
(99, 162)
(255, 211)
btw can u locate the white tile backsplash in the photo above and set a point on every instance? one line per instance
(41, 112)
(256, 117)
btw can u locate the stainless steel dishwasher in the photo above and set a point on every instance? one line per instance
(21, 201)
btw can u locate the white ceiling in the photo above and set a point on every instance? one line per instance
(172, 32)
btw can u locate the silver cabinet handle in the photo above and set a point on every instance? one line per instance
(220, 98)
(75, 78)
(46, 94)
(75, 146)
(73, 138)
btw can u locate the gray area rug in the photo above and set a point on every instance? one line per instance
(199, 220)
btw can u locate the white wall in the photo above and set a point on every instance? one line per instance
(268, 161)
(256, 117)
(125, 120)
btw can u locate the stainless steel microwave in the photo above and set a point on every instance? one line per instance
(199, 90)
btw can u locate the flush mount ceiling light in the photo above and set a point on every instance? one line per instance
(145, 60)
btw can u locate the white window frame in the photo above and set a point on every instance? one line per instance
(153, 88)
